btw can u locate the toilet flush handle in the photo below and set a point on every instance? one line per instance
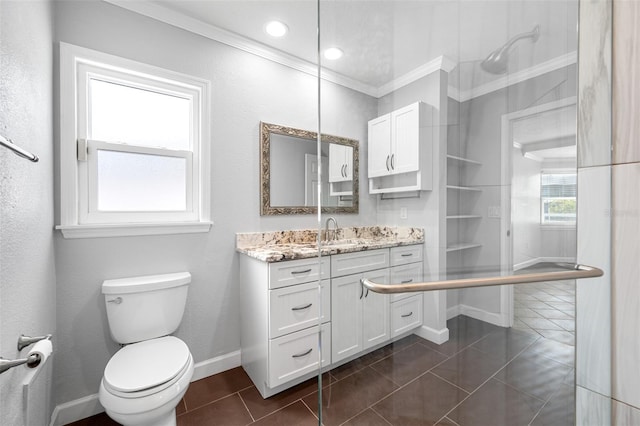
(117, 300)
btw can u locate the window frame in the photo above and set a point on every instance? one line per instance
(557, 225)
(79, 217)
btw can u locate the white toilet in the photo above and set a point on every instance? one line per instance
(146, 379)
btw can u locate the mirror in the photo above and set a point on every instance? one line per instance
(289, 172)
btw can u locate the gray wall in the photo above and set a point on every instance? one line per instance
(245, 90)
(480, 133)
(27, 274)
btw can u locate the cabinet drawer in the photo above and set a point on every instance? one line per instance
(296, 307)
(406, 254)
(362, 261)
(405, 274)
(406, 315)
(291, 272)
(296, 354)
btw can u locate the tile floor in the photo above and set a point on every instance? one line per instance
(548, 309)
(484, 375)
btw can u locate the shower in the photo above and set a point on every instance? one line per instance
(496, 62)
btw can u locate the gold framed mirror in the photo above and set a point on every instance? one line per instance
(289, 172)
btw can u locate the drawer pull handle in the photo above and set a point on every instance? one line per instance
(406, 254)
(302, 354)
(302, 308)
(406, 281)
(301, 272)
(407, 315)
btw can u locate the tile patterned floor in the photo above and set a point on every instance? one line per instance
(484, 375)
(548, 309)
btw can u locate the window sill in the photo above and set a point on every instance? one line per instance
(132, 230)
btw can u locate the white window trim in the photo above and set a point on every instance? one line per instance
(72, 57)
(559, 226)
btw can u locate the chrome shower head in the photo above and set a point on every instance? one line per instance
(496, 62)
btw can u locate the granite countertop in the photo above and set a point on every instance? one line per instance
(301, 244)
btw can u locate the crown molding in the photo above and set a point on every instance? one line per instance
(167, 16)
(163, 14)
(440, 63)
(514, 78)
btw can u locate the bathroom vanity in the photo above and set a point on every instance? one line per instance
(282, 308)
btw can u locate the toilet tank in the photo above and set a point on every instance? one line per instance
(143, 308)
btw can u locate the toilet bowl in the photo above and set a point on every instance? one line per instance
(145, 380)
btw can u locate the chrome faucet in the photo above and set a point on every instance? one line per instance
(335, 229)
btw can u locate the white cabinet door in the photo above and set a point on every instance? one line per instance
(379, 145)
(375, 312)
(336, 163)
(346, 317)
(405, 139)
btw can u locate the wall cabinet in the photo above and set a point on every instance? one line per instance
(281, 312)
(340, 163)
(400, 151)
(340, 170)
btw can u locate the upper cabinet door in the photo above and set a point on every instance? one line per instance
(340, 163)
(337, 164)
(379, 146)
(405, 139)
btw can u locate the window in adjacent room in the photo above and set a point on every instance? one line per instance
(134, 147)
(558, 198)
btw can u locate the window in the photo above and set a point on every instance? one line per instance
(134, 147)
(558, 198)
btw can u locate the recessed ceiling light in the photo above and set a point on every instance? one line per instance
(333, 53)
(276, 29)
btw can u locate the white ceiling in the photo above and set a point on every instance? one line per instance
(549, 134)
(386, 39)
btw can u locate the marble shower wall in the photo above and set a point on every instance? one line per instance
(595, 402)
(593, 296)
(626, 214)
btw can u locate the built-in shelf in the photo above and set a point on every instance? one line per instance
(463, 160)
(465, 216)
(463, 188)
(462, 246)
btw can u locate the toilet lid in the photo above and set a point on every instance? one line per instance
(147, 364)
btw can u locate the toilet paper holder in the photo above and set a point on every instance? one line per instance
(32, 360)
(24, 341)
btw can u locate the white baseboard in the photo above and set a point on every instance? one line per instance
(479, 314)
(535, 260)
(433, 335)
(526, 263)
(75, 410)
(88, 406)
(216, 365)
(453, 311)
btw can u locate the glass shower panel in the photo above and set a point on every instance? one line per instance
(466, 116)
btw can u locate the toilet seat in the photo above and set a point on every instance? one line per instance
(147, 367)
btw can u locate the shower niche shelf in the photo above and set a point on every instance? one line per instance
(462, 246)
(463, 161)
(464, 188)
